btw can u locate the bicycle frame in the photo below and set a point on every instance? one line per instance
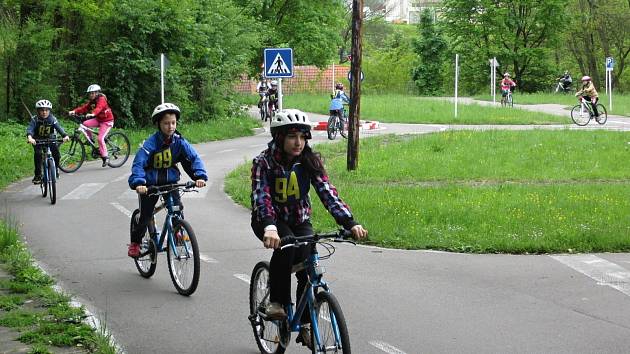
(172, 212)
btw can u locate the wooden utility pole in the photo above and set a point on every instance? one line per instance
(355, 86)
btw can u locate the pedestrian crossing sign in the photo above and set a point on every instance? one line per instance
(278, 62)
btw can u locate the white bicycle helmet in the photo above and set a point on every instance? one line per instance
(286, 119)
(93, 88)
(43, 104)
(162, 109)
(274, 83)
(586, 78)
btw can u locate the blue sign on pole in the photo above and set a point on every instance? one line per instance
(278, 62)
(610, 63)
(361, 77)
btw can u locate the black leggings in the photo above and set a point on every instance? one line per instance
(593, 102)
(283, 260)
(147, 204)
(41, 151)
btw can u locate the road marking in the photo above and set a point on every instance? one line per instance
(85, 191)
(602, 271)
(243, 277)
(207, 259)
(387, 348)
(226, 150)
(257, 145)
(121, 208)
(121, 178)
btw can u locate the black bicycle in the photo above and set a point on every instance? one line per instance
(337, 123)
(73, 154)
(582, 113)
(48, 183)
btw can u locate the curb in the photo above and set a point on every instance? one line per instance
(363, 125)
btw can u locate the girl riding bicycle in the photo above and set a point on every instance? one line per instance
(506, 85)
(281, 178)
(155, 165)
(589, 93)
(43, 126)
(101, 116)
(338, 99)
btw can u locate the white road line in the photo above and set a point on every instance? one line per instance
(226, 150)
(121, 178)
(387, 348)
(257, 145)
(85, 191)
(207, 259)
(602, 271)
(243, 277)
(121, 208)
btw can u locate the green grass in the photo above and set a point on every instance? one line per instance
(494, 191)
(16, 157)
(29, 304)
(412, 109)
(621, 102)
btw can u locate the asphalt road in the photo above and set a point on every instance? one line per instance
(394, 301)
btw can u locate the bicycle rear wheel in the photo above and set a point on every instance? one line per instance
(185, 265)
(272, 337)
(118, 149)
(72, 155)
(331, 128)
(580, 116)
(603, 115)
(331, 325)
(52, 181)
(147, 261)
(510, 102)
(343, 127)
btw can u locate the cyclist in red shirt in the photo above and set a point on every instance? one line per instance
(506, 84)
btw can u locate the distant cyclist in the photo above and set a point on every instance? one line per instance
(589, 93)
(338, 99)
(507, 85)
(100, 116)
(272, 97)
(565, 80)
(43, 126)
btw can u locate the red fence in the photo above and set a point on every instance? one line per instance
(306, 79)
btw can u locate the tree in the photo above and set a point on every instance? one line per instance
(430, 48)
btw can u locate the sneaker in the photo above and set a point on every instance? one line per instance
(105, 161)
(305, 336)
(134, 250)
(274, 311)
(37, 179)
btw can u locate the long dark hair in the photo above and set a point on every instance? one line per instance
(309, 158)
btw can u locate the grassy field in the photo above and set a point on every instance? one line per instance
(16, 157)
(621, 102)
(493, 191)
(412, 109)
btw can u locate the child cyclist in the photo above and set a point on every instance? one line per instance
(506, 85)
(155, 165)
(589, 93)
(338, 99)
(281, 177)
(101, 116)
(43, 126)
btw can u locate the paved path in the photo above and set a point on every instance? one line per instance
(395, 301)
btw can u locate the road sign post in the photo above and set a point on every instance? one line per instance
(278, 64)
(610, 63)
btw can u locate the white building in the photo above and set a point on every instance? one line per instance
(407, 11)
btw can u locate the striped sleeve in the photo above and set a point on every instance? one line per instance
(261, 193)
(327, 193)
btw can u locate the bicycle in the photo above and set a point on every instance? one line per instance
(73, 155)
(337, 123)
(264, 109)
(177, 239)
(507, 100)
(48, 184)
(329, 332)
(582, 113)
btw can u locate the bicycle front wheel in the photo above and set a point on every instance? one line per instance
(118, 149)
(52, 181)
(603, 115)
(331, 128)
(147, 261)
(331, 324)
(269, 335)
(183, 260)
(580, 116)
(72, 155)
(510, 102)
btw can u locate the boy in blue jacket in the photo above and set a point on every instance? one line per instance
(155, 165)
(43, 126)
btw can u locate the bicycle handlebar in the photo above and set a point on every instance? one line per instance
(40, 142)
(153, 190)
(295, 241)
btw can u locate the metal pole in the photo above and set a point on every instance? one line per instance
(333, 77)
(162, 76)
(610, 90)
(280, 94)
(606, 81)
(456, 80)
(494, 80)
(355, 84)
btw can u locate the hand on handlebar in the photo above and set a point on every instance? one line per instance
(66, 138)
(141, 189)
(358, 232)
(72, 113)
(271, 239)
(200, 183)
(30, 140)
(89, 115)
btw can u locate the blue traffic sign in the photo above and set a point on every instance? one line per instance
(278, 62)
(610, 63)
(360, 76)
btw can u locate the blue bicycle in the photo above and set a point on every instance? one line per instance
(329, 333)
(177, 239)
(48, 184)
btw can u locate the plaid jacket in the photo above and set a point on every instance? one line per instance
(280, 193)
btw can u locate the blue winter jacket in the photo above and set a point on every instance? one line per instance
(338, 100)
(44, 128)
(155, 162)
